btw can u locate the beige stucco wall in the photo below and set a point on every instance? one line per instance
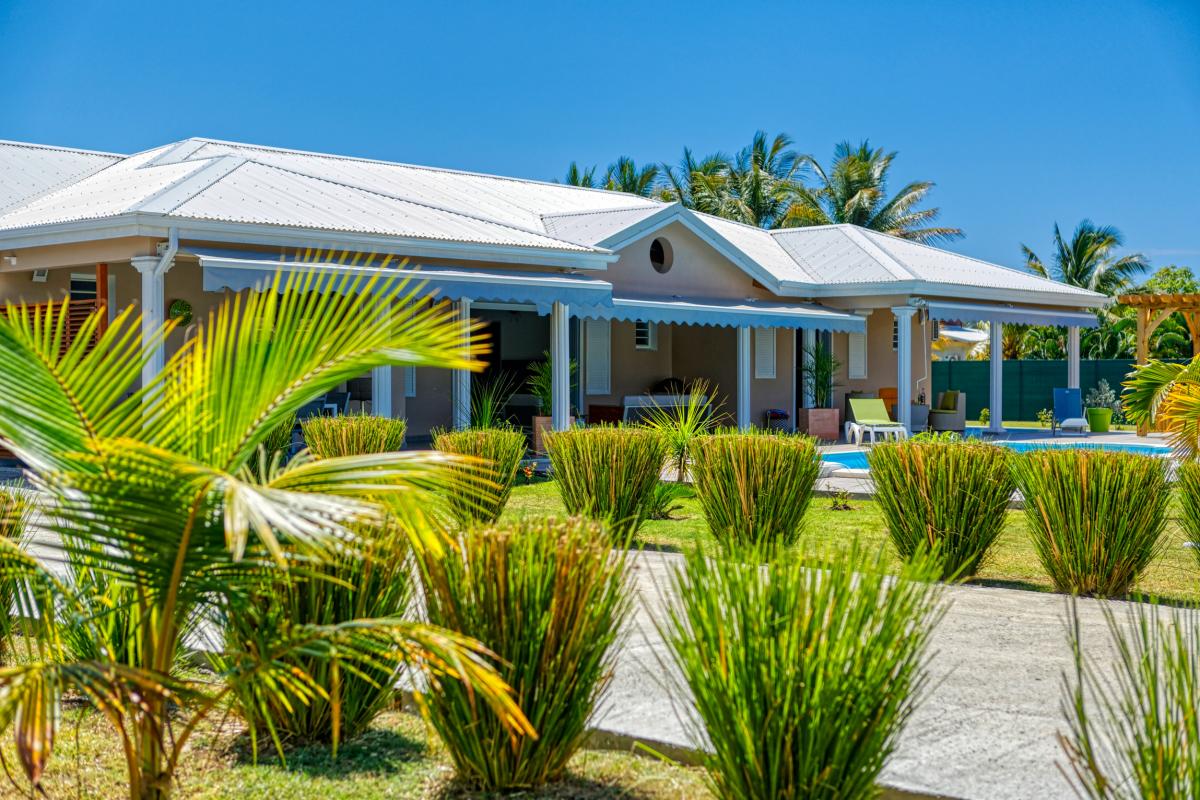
(707, 352)
(634, 371)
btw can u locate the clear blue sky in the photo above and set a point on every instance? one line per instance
(1023, 113)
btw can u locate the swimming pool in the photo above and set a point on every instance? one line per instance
(857, 459)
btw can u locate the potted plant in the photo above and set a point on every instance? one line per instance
(822, 420)
(541, 386)
(1099, 405)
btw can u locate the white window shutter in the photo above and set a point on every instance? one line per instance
(856, 369)
(764, 353)
(597, 360)
(410, 381)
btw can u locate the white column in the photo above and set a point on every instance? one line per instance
(1073, 356)
(996, 400)
(381, 391)
(460, 382)
(153, 271)
(904, 359)
(744, 359)
(560, 362)
(809, 341)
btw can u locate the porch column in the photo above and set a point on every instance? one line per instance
(1073, 357)
(808, 340)
(153, 270)
(381, 392)
(744, 359)
(461, 380)
(996, 398)
(904, 315)
(560, 367)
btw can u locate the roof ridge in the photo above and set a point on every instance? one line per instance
(224, 165)
(406, 165)
(557, 214)
(410, 201)
(885, 259)
(36, 146)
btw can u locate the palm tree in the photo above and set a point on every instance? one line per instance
(1089, 260)
(761, 184)
(625, 176)
(152, 488)
(855, 191)
(580, 177)
(1167, 396)
(697, 184)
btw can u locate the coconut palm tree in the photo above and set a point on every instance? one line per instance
(1089, 259)
(152, 487)
(576, 176)
(760, 185)
(855, 191)
(625, 176)
(697, 183)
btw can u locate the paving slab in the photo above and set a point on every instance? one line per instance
(986, 729)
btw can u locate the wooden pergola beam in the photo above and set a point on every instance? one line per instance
(1175, 302)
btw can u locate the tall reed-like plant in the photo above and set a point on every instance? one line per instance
(607, 473)
(679, 423)
(348, 434)
(1187, 481)
(1096, 517)
(1134, 725)
(804, 672)
(501, 450)
(547, 597)
(754, 488)
(948, 497)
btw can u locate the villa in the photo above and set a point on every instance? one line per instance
(635, 291)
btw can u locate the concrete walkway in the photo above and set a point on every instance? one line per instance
(986, 729)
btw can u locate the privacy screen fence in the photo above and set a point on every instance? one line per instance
(1028, 385)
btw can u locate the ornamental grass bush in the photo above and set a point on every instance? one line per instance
(1187, 478)
(607, 473)
(1134, 721)
(804, 671)
(374, 580)
(501, 449)
(353, 434)
(1096, 518)
(547, 597)
(754, 488)
(948, 497)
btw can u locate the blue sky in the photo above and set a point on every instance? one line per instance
(1023, 113)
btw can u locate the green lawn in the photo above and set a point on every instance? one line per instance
(1012, 562)
(396, 759)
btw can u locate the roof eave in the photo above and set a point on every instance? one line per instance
(959, 291)
(157, 225)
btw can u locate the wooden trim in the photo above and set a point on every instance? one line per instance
(102, 294)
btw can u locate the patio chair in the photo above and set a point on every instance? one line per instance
(1068, 413)
(338, 403)
(950, 413)
(871, 417)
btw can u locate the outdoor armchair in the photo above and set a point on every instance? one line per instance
(950, 413)
(1068, 412)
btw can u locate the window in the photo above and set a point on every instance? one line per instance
(645, 336)
(661, 256)
(83, 286)
(856, 368)
(764, 353)
(895, 333)
(597, 360)
(410, 381)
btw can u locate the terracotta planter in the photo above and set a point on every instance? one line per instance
(540, 426)
(822, 423)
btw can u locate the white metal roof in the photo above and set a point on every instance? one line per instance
(30, 170)
(206, 183)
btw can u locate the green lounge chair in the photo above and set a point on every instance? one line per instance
(871, 417)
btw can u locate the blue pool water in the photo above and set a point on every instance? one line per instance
(857, 459)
